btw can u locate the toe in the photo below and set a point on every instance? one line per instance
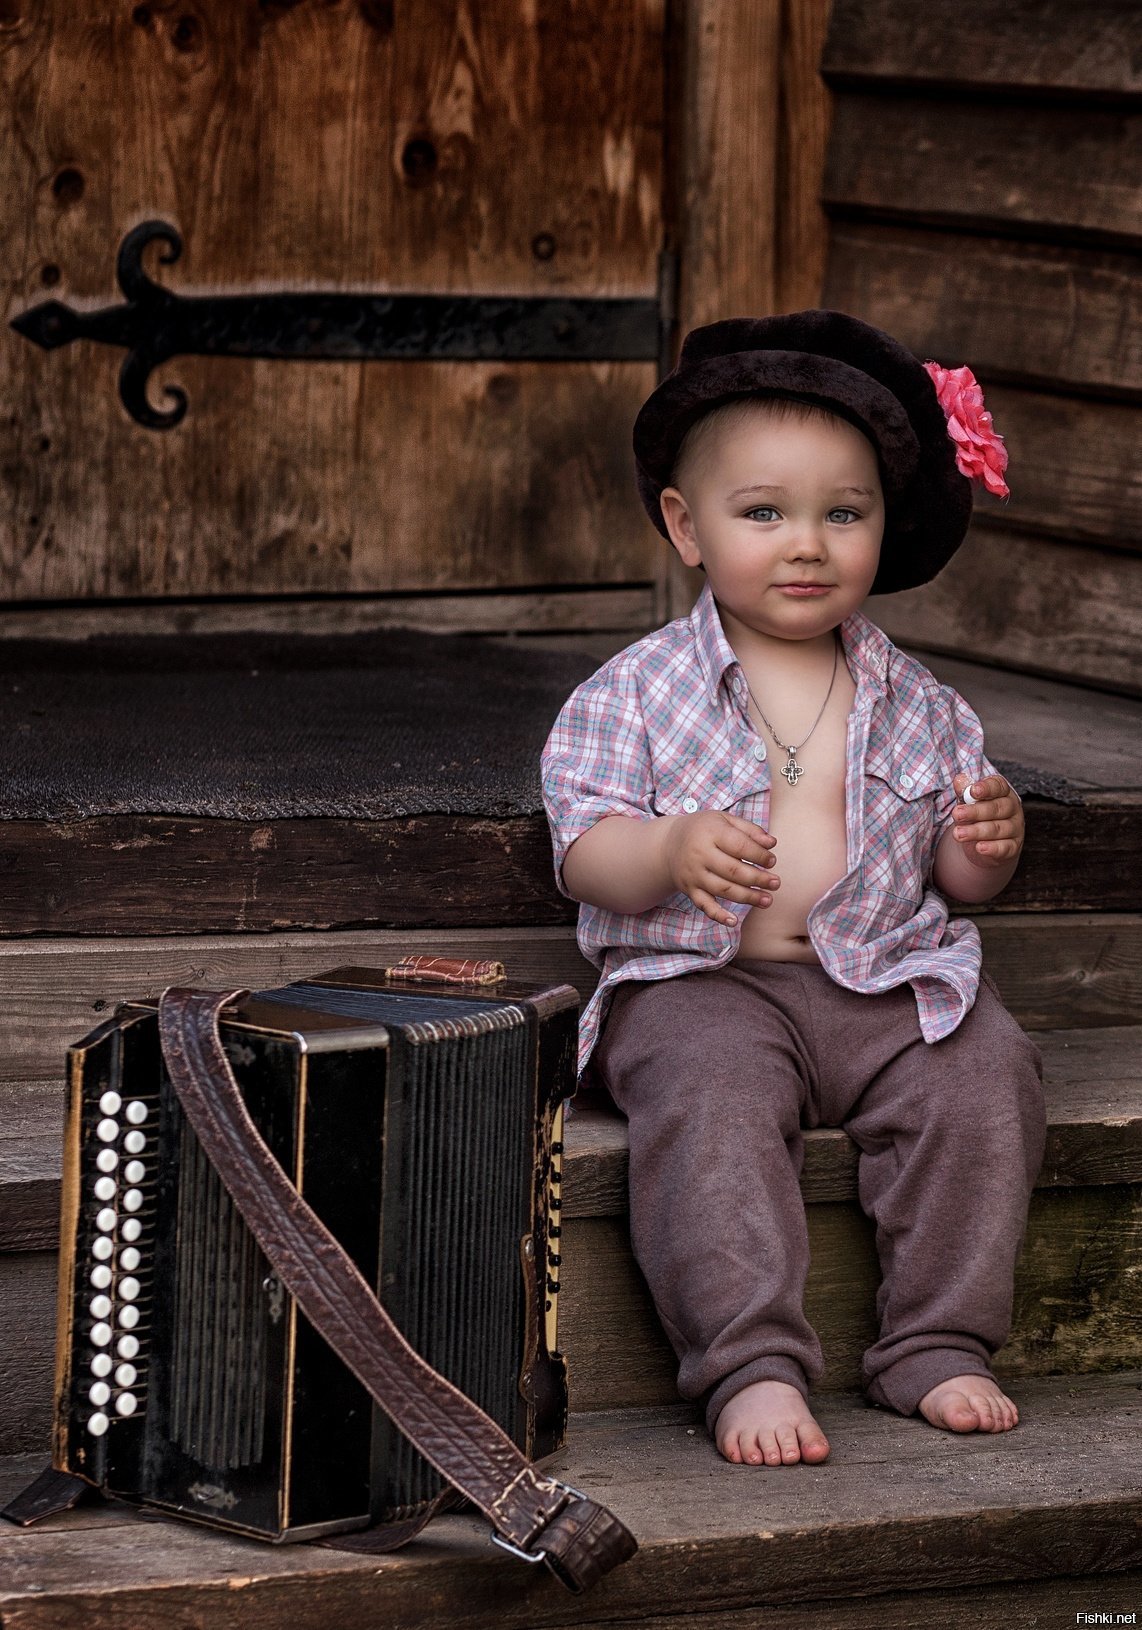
(751, 1449)
(982, 1403)
(814, 1443)
(958, 1412)
(769, 1448)
(728, 1446)
(788, 1444)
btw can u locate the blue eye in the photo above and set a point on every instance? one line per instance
(757, 510)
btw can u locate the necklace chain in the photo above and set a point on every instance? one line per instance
(791, 770)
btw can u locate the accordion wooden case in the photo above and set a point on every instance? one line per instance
(423, 1124)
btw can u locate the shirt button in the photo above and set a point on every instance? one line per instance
(905, 780)
(689, 805)
(759, 750)
(739, 685)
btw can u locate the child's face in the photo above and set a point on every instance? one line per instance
(815, 530)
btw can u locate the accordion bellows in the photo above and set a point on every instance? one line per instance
(422, 1123)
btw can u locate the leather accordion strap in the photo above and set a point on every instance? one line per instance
(535, 1516)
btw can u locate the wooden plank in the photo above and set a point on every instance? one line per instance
(141, 874)
(57, 990)
(1092, 1082)
(805, 113)
(1092, 737)
(1073, 475)
(1054, 316)
(1054, 172)
(720, 213)
(1048, 47)
(1050, 608)
(1078, 1303)
(27, 1348)
(163, 874)
(898, 1507)
(357, 154)
(622, 610)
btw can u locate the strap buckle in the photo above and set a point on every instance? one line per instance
(535, 1556)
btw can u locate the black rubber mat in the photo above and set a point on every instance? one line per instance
(264, 727)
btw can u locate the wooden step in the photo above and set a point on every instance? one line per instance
(1078, 1289)
(904, 1525)
(458, 861)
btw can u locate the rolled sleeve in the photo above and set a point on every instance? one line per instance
(596, 760)
(961, 736)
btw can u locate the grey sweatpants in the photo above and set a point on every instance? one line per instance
(719, 1071)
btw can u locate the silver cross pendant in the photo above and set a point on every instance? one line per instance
(791, 770)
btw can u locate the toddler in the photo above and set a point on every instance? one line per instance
(759, 808)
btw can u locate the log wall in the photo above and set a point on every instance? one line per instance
(984, 194)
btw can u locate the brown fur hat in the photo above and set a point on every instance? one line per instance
(856, 371)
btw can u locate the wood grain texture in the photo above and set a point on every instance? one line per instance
(184, 874)
(344, 147)
(1047, 47)
(1053, 316)
(1050, 607)
(723, 183)
(624, 613)
(1053, 971)
(1078, 1297)
(57, 990)
(1054, 173)
(805, 117)
(1092, 1083)
(898, 1507)
(1073, 474)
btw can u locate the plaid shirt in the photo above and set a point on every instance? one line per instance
(662, 729)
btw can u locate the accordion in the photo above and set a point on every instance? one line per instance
(422, 1123)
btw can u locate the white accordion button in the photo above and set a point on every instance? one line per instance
(110, 1103)
(132, 1228)
(107, 1131)
(107, 1160)
(132, 1200)
(101, 1335)
(126, 1375)
(104, 1188)
(100, 1307)
(98, 1424)
(101, 1364)
(134, 1171)
(126, 1403)
(105, 1221)
(129, 1259)
(136, 1112)
(128, 1289)
(99, 1393)
(102, 1248)
(134, 1143)
(127, 1346)
(101, 1276)
(128, 1317)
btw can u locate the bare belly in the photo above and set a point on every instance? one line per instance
(808, 821)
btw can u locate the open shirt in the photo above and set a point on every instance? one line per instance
(662, 729)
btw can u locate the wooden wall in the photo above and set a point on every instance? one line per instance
(984, 194)
(517, 146)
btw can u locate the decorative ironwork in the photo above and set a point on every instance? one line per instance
(155, 325)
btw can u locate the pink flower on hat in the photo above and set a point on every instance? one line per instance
(980, 453)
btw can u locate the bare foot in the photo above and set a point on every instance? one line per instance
(969, 1403)
(769, 1421)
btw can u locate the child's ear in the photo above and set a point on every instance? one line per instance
(680, 525)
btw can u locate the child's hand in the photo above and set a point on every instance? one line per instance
(989, 831)
(714, 853)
